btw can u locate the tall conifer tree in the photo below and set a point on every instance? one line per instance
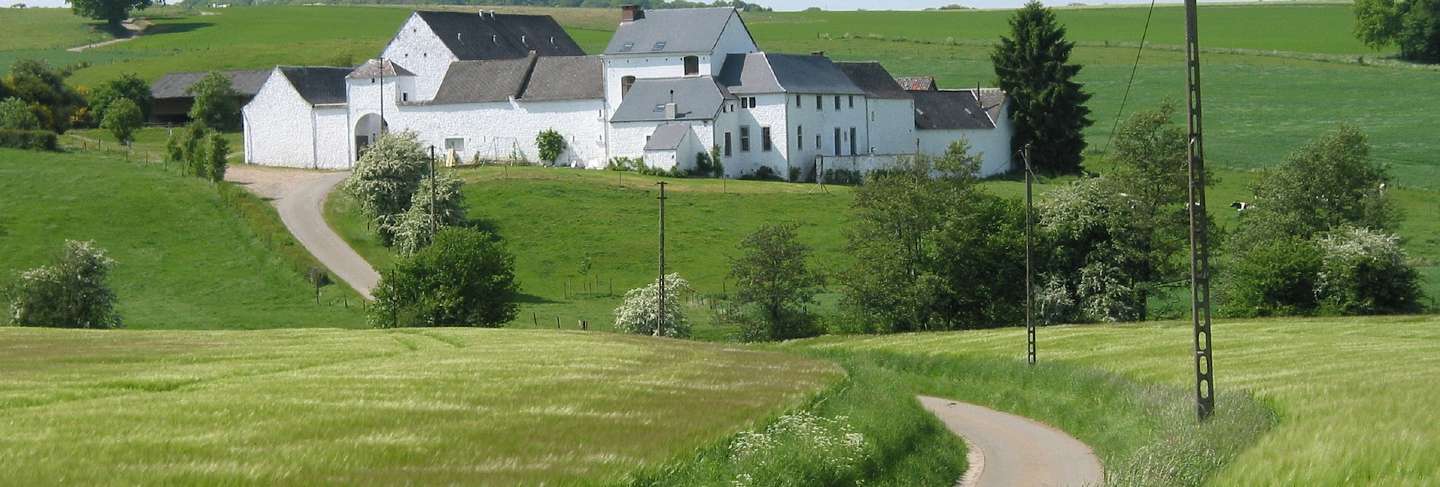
(1047, 105)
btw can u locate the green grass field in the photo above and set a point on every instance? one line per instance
(306, 407)
(188, 256)
(1354, 396)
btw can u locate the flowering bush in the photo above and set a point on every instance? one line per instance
(800, 448)
(412, 230)
(1364, 271)
(640, 311)
(70, 293)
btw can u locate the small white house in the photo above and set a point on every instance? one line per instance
(298, 119)
(673, 146)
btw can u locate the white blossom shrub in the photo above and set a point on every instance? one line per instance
(640, 311)
(412, 230)
(71, 293)
(385, 179)
(1364, 271)
(800, 449)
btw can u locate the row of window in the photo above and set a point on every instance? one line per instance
(767, 145)
(820, 101)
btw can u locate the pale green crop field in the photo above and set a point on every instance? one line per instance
(339, 407)
(1355, 396)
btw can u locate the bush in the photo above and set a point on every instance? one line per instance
(762, 174)
(1364, 271)
(843, 177)
(122, 118)
(1274, 277)
(29, 139)
(771, 273)
(216, 102)
(70, 293)
(15, 114)
(413, 230)
(551, 145)
(201, 151)
(129, 87)
(800, 448)
(464, 278)
(385, 179)
(639, 313)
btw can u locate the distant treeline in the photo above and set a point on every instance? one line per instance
(649, 4)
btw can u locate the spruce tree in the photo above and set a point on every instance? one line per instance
(1047, 105)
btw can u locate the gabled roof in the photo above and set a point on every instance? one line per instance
(917, 83)
(484, 81)
(487, 35)
(318, 85)
(566, 78)
(760, 72)
(696, 98)
(374, 69)
(668, 136)
(874, 79)
(956, 109)
(176, 85)
(680, 30)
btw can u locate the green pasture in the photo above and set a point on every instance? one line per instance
(1353, 396)
(189, 254)
(442, 406)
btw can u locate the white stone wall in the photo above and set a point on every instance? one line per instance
(808, 122)
(496, 130)
(892, 126)
(331, 143)
(627, 139)
(416, 48)
(641, 67)
(279, 126)
(769, 111)
(992, 144)
(735, 39)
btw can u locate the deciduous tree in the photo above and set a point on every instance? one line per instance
(111, 11)
(772, 273)
(122, 118)
(216, 102)
(464, 278)
(128, 86)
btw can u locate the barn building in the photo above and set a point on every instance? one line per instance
(670, 85)
(172, 97)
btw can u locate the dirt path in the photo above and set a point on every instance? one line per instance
(299, 197)
(1013, 451)
(130, 25)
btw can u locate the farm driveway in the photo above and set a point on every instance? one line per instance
(299, 197)
(1009, 450)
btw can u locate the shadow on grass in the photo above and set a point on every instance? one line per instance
(176, 28)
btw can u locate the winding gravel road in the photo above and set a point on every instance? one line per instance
(1013, 451)
(299, 197)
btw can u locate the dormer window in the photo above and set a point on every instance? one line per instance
(627, 47)
(659, 46)
(692, 65)
(625, 84)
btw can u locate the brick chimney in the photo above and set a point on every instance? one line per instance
(631, 13)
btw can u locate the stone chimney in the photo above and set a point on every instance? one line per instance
(631, 13)
(672, 111)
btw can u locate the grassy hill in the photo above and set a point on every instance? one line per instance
(188, 256)
(1354, 397)
(306, 407)
(590, 214)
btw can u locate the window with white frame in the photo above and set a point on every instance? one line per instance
(456, 144)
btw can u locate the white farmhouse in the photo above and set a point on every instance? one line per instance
(671, 84)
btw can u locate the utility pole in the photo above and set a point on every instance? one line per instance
(1029, 284)
(660, 321)
(1199, 240)
(433, 224)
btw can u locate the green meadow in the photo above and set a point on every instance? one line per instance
(1353, 397)
(307, 407)
(189, 254)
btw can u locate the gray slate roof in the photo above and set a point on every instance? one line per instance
(954, 109)
(318, 85)
(680, 30)
(473, 36)
(174, 85)
(917, 83)
(373, 69)
(484, 81)
(696, 98)
(874, 79)
(566, 78)
(760, 72)
(668, 136)
(531, 78)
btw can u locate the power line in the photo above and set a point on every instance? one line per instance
(1136, 67)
